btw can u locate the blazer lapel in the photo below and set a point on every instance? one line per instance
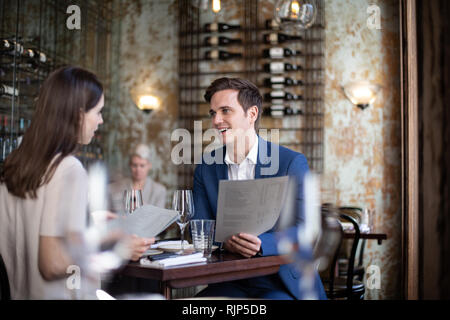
(263, 157)
(222, 168)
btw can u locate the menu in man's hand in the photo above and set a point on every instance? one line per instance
(249, 206)
(147, 221)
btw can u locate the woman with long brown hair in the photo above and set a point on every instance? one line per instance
(43, 187)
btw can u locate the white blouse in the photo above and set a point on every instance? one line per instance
(60, 207)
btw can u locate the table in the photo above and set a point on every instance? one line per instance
(370, 236)
(222, 266)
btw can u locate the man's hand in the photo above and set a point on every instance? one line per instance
(243, 243)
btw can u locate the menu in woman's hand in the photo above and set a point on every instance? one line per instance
(147, 221)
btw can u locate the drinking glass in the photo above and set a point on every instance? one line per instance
(132, 200)
(183, 203)
(203, 236)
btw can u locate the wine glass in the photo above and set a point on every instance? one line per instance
(132, 200)
(183, 203)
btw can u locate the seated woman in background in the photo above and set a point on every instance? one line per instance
(44, 188)
(153, 192)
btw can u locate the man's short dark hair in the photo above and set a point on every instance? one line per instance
(248, 93)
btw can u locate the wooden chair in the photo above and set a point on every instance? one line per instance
(345, 287)
(358, 271)
(4, 282)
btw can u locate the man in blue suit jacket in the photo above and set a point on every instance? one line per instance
(235, 111)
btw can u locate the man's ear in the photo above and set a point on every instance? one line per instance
(253, 113)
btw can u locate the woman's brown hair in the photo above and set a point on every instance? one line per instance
(55, 129)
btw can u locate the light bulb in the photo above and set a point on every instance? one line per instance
(148, 103)
(295, 9)
(216, 6)
(300, 14)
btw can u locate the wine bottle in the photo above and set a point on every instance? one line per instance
(29, 66)
(278, 53)
(14, 141)
(5, 45)
(220, 27)
(6, 147)
(282, 95)
(221, 55)
(221, 41)
(21, 131)
(8, 91)
(35, 55)
(11, 47)
(280, 67)
(280, 111)
(275, 38)
(277, 82)
(272, 24)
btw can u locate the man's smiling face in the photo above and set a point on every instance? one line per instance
(228, 116)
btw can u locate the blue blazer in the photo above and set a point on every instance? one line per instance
(287, 163)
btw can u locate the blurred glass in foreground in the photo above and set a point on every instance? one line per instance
(315, 239)
(97, 251)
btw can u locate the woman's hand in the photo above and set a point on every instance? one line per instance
(138, 246)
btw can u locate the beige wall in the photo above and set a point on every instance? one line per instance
(145, 58)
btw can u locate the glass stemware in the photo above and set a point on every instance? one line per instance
(132, 200)
(183, 203)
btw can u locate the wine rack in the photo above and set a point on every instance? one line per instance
(42, 42)
(299, 119)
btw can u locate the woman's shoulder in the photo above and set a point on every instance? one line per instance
(70, 164)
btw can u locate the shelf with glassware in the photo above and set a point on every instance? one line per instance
(277, 61)
(221, 47)
(22, 69)
(270, 24)
(32, 46)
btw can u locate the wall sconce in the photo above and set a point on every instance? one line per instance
(148, 103)
(361, 93)
(204, 4)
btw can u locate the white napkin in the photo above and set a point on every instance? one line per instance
(156, 245)
(182, 259)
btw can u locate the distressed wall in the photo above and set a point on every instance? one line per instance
(145, 58)
(362, 148)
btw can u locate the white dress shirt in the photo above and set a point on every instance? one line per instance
(246, 169)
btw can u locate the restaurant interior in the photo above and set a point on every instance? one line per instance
(361, 93)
